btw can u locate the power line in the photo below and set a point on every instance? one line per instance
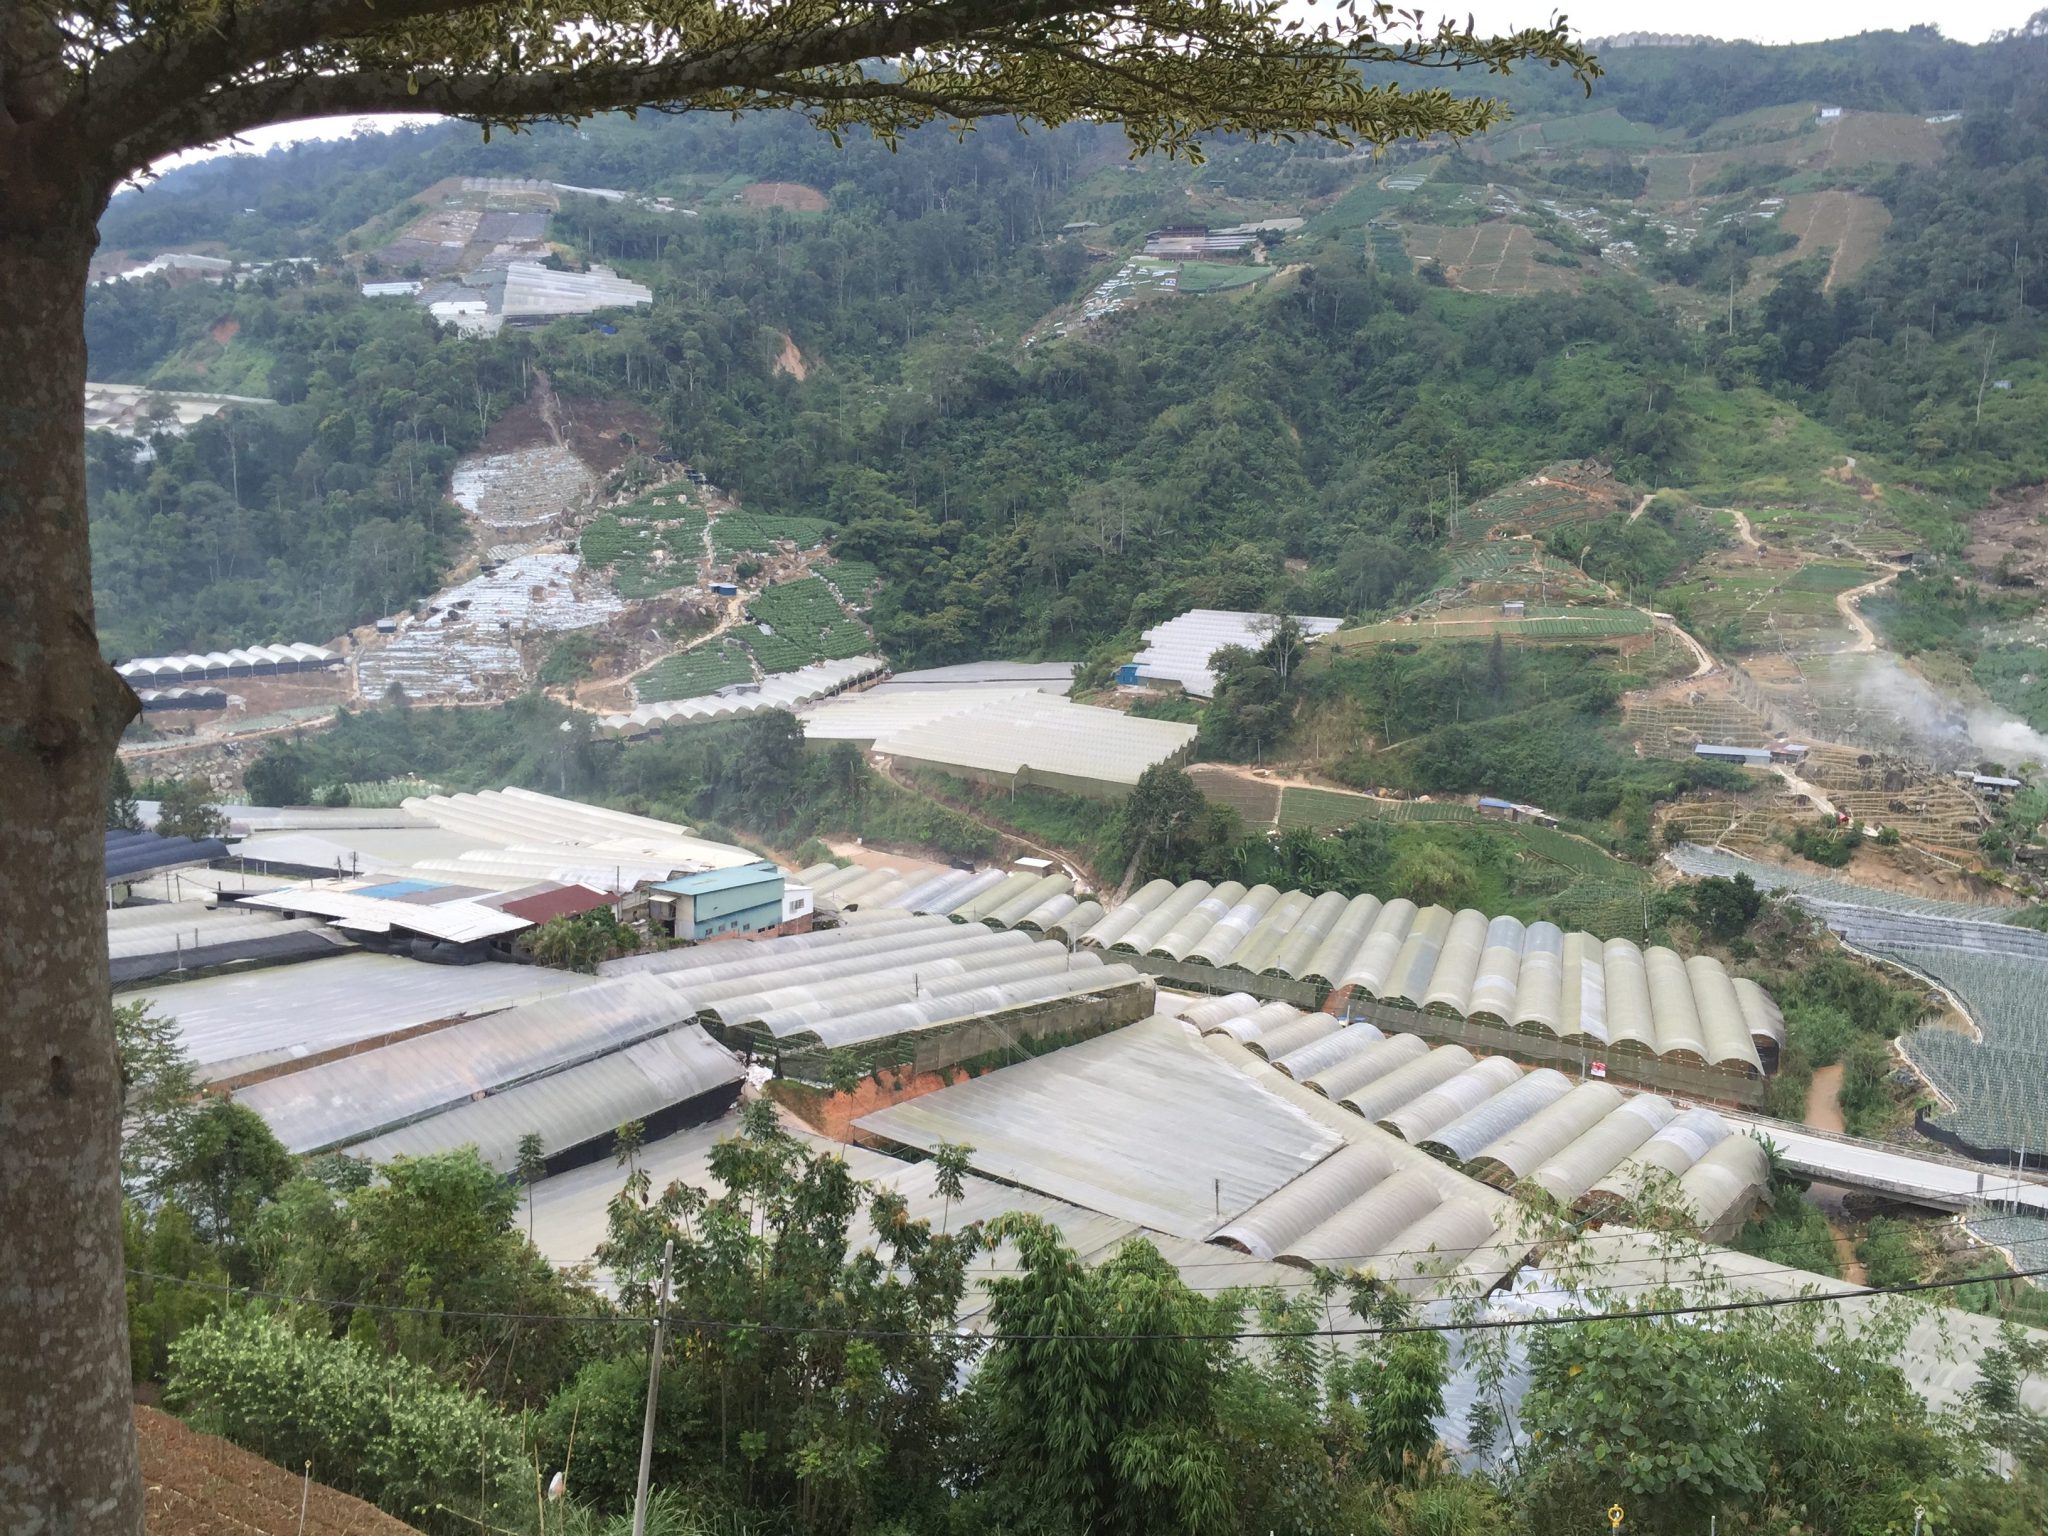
(1378, 1330)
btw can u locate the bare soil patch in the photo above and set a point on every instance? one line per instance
(793, 195)
(1849, 224)
(2009, 540)
(791, 360)
(200, 1485)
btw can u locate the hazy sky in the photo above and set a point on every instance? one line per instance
(1764, 21)
(1769, 21)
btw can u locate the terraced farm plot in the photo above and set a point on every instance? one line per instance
(854, 580)
(1559, 624)
(1214, 276)
(1589, 130)
(1672, 725)
(1850, 225)
(1326, 810)
(650, 546)
(693, 673)
(1256, 800)
(775, 652)
(757, 533)
(1770, 608)
(1555, 499)
(1497, 256)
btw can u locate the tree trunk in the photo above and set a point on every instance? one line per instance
(67, 1441)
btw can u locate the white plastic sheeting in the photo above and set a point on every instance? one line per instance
(1180, 650)
(339, 1102)
(1460, 1140)
(247, 1020)
(777, 690)
(1142, 1123)
(1535, 978)
(570, 1109)
(250, 661)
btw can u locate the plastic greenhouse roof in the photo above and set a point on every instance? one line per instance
(1181, 649)
(356, 1097)
(1568, 985)
(1140, 1123)
(567, 1109)
(238, 1022)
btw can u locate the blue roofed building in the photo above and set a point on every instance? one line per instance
(720, 903)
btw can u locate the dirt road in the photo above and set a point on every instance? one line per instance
(1846, 604)
(1743, 531)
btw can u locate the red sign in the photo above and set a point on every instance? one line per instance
(1599, 1069)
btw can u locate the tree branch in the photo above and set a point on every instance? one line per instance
(147, 77)
(503, 97)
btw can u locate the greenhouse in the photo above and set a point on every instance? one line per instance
(675, 1079)
(351, 1099)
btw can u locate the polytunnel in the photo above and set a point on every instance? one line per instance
(1156, 924)
(1539, 982)
(1680, 1037)
(1352, 1237)
(1525, 1147)
(1370, 965)
(1220, 944)
(1492, 998)
(1333, 955)
(1309, 1029)
(1069, 928)
(337, 1102)
(1027, 900)
(1301, 942)
(1631, 1020)
(1004, 890)
(1210, 1013)
(1723, 1024)
(1408, 981)
(1431, 1249)
(1269, 932)
(1262, 1019)
(800, 1007)
(1449, 989)
(1303, 1204)
(930, 1013)
(1416, 1119)
(1405, 1083)
(1720, 1189)
(1112, 926)
(1587, 1008)
(1571, 1171)
(1305, 1061)
(1041, 917)
(1657, 1163)
(1461, 1140)
(1369, 1065)
(1191, 925)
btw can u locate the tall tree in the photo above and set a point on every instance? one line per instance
(91, 94)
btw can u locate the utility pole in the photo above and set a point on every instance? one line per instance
(668, 1253)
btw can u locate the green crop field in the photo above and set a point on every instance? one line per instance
(652, 546)
(854, 580)
(690, 674)
(757, 533)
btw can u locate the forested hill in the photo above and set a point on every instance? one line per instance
(1694, 275)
